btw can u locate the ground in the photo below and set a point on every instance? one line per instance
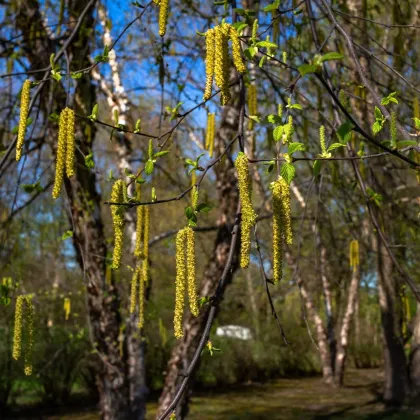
(301, 398)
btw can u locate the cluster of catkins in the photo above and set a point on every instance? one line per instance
(17, 338)
(185, 276)
(217, 59)
(65, 150)
(141, 251)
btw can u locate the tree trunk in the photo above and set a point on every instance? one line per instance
(226, 185)
(396, 378)
(103, 298)
(345, 328)
(415, 355)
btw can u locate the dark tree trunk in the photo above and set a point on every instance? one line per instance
(113, 370)
(396, 378)
(415, 357)
(228, 201)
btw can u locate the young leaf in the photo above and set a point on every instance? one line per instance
(89, 162)
(288, 171)
(334, 146)
(295, 147)
(317, 167)
(331, 56)
(307, 69)
(344, 132)
(149, 167)
(278, 133)
(66, 235)
(204, 207)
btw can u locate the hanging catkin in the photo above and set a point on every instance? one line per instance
(163, 16)
(179, 283)
(70, 143)
(146, 230)
(192, 288)
(18, 329)
(61, 154)
(221, 68)
(67, 308)
(65, 150)
(354, 254)
(118, 195)
(211, 129)
(23, 119)
(142, 282)
(210, 62)
(249, 217)
(282, 226)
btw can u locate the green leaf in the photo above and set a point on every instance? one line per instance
(288, 171)
(66, 235)
(278, 133)
(331, 56)
(89, 162)
(254, 118)
(250, 52)
(406, 143)
(273, 6)
(377, 127)
(305, 69)
(335, 146)
(162, 153)
(417, 123)
(128, 174)
(344, 132)
(76, 75)
(204, 207)
(266, 44)
(295, 147)
(295, 106)
(203, 300)
(149, 167)
(274, 119)
(94, 115)
(390, 98)
(30, 188)
(56, 75)
(378, 114)
(240, 26)
(270, 166)
(317, 167)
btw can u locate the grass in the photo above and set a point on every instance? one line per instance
(281, 399)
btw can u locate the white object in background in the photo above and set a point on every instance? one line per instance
(234, 331)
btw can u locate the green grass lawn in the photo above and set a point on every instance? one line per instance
(303, 398)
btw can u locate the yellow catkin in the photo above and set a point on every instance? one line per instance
(146, 231)
(61, 154)
(133, 292)
(191, 280)
(139, 231)
(118, 195)
(163, 16)
(252, 104)
(236, 50)
(17, 337)
(70, 143)
(179, 283)
(142, 282)
(30, 335)
(354, 254)
(282, 224)
(416, 107)
(67, 308)
(211, 129)
(194, 188)
(278, 232)
(24, 111)
(210, 57)
(249, 217)
(221, 67)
